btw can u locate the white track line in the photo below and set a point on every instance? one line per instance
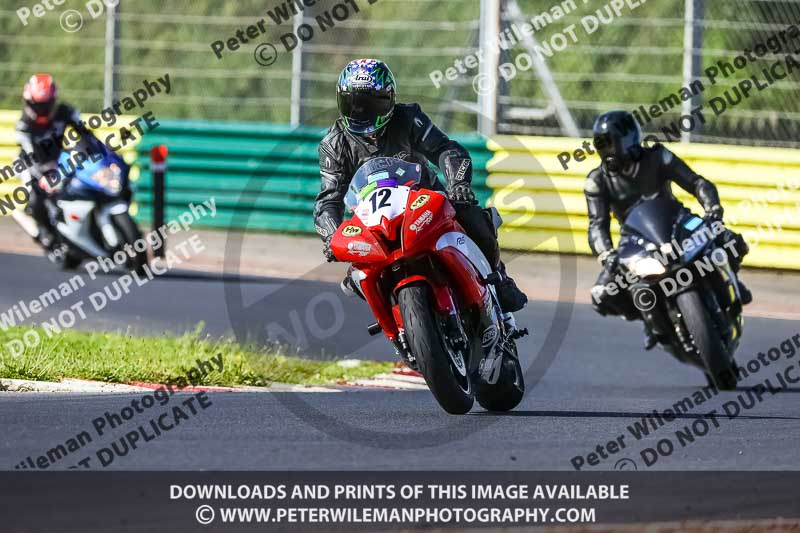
(399, 379)
(99, 387)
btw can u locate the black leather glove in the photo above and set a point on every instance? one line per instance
(609, 259)
(326, 250)
(714, 213)
(461, 195)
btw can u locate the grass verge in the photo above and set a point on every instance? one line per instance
(122, 358)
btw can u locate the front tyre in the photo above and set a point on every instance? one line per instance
(707, 341)
(71, 262)
(507, 393)
(426, 340)
(130, 234)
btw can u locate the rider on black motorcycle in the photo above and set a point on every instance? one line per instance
(372, 125)
(40, 135)
(629, 172)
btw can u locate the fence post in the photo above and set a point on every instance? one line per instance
(296, 111)
(488, 74)
(158, 167)
(692, 58)
(111, 78)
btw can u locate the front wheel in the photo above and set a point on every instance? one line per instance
(448, 380)
(507, 393)
(707, 341)
(130, 234)
(71, 262)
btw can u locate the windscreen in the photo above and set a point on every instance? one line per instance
(653, 219)
(380, 172)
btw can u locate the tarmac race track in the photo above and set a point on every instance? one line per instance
(598, 383)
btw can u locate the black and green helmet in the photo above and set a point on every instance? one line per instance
(365, 94)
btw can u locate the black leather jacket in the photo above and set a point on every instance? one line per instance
(656, 170)
(410, 135)
(43, 144)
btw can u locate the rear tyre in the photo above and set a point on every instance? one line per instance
(707, 341)
(426, 340)
(130, 234)
(507, 392)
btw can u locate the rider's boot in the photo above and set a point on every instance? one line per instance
(744, 292)
(512, 299)
(650, 339)
(45, 238)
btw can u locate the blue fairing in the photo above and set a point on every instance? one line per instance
(81, 175)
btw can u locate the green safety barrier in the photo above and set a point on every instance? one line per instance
(263, 176)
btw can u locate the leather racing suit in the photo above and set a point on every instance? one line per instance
(411, 136)
(40, 146)
(651, 176)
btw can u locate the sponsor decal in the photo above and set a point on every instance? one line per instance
(380, 163)
(420, 201)
(423, 220)
(359, 248)
(489, 336)
(351, 231)
(458, 361)
(362, 79)
(462, 170)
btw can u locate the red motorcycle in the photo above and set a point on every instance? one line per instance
(430, 288)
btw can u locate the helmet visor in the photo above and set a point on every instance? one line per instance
(42, 109)
(604, 144)
(362, 109)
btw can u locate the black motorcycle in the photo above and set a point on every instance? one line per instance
(683, 285)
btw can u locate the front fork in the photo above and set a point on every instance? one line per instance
(498, 334)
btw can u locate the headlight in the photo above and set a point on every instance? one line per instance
(108, 179)
(646, 267)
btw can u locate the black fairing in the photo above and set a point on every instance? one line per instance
(659, 221)
(653, 219)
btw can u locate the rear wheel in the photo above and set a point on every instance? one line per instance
(130, 234)
(707, 341)
(448, 380)
(507, 392)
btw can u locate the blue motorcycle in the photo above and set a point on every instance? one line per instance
(91, 210)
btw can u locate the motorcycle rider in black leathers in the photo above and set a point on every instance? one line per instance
(40, 136)
(372, 125)
(629, 172)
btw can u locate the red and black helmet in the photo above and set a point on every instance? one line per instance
(40, 95)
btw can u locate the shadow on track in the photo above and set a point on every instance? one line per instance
(611, 414)
(197, 275)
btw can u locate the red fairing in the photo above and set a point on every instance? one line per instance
(353, 243)
(465, 278)
(429, 215)
(393, 247)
